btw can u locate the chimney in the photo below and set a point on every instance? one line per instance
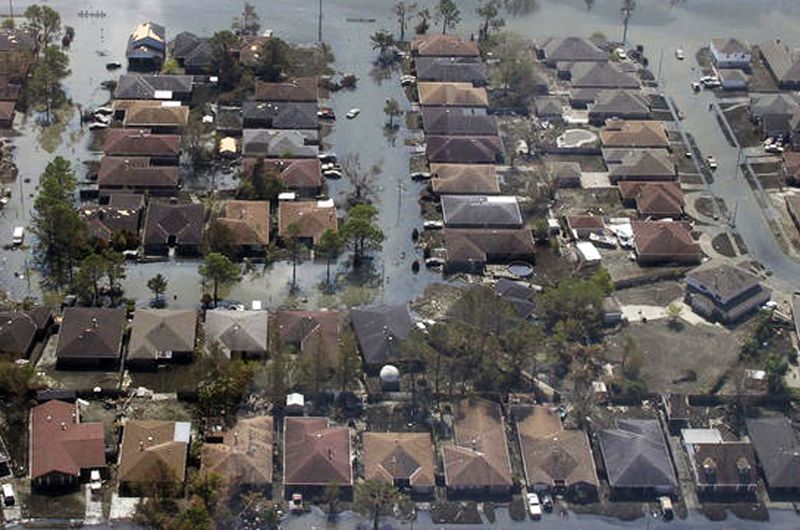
(141, 445)
(63, 426)
(743, 466)
(94, 322)
(710, 470)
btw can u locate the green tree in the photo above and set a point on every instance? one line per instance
(330, 496)
(219, 238)
(44, 24)
(424, 17)
(577, 304)
(516, 71)
(171, 67)
(626, 12)
(90, 272)
(404, 14)
(44, 86)
(489, 13)
(374, 498)
(315, 366)
(16, 380)
(223, 45)
(265, 183)
(209, 488)
(361, 233)
(348, 363)
(295, 247)
(275, 60)
(195, 517)
(541, 230)
(448, 14)
(249, 23)
(392, 110)
(361, 181)
(383, 43)
(158, 286)
(674, 311)
(57, 223)
(221, 272)
(114, 270)
(521, 344)
(329, 247)
(278, 370)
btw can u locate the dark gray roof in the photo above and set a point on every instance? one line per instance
(643, 163)
(481, 211)
(229, 119)
(731, 45)
(91, 333)
(778, 104)
(464, 149)
(725, 280)
(238, 331)
(517, 294)
(194, 51)
(274, 143)
(636, 455)
(621, 103)
(145, 86)
(601, 75)
(573, 49)
(565, 171)
(783, 62)
(457, 121)
(547, 106)
(380, 330)
(160, 330)
(451, 69)
(280, 115)
(777, 449)
(182, 221)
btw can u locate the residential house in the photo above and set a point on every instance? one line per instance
(581, 98)
(637, 459)
(549, 108)
(178, 226)
(273, 143)
(7, 114)
(162, 87)
(601, 75)
(137, 174)
(730, 53)
(380, 330)
(451, 70)
(309, 330)
(90, 337)
(315, 455)
(152, 453)
(571, 50)
(653, 199)
(451, 95)
(244, 458)
(782, 62)
(470, 250)
(725, 293)
(620, 104)
(161, 117)
(481, 211)
(776, 446)
(229, 121)
(733, 79)
(120, 213)
(63, 450)
(634, 133)
(464, 149)
(664, 242)
(464, 179)
(791, 167)
(296, 89)
(442, 45)
(555, 459)
(723, 468)
(793, 207)
(301, 175)
(21, 330)
(478, 462)
(16, 55)
(8, 91)
(612, 311)
(519, 295)
(583, 226)
(566, 174)
(241, 334)
(774, 113)
(161, 336)
(250, 49)
(147, 47)
(248, 223)
(280, 115)
(195, 54)
(458, 121)
(403, 458)
(160, 149)
(312, 218)
(639, 165)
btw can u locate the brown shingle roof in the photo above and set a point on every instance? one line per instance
(660, 199)
(296, 173)
(452, 94)
(464, 178)
(664, 241)
(248, 221)
(61, 444)
(634, 133)
(7, 110)
(153, 451)
(439, 45)
(91, 333)
(17, 331)
(312, 217)
(316, 454)
(304, 328)
(136, 172)
(160, 330)
(140, 114)
(295, 89)
(479, 457)
(132, 142)
(551, 454)
(585, 222)
(469, 245)
(464, 149)
(244, 457)
(399, 456)
(184, 221)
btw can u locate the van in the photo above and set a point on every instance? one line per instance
(18, 237)
(8, 495)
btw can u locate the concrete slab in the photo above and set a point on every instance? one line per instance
(94, 506)
(592, 180)
(123, 508)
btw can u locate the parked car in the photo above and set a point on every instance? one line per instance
(326, 113)
(534, 507)
(712, 162)
(352, 113)
(8, 495)
(333, 174)
(547, 502)
(420, 175)
(18, 236)
(433, 225)
(408, 80)
(327, 158)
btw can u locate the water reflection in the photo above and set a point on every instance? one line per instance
(520, 8)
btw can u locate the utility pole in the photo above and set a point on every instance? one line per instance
(11, 10)
(319, 23)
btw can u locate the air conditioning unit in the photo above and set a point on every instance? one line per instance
(165, 354)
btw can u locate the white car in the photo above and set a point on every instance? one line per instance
(534, 506)
(420, 175)
(352, 113)
(773, 148)
(407, 80)
(712, 162)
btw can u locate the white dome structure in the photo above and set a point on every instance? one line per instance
(390, 377)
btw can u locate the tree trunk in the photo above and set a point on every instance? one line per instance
(216, 290)
(328, 270)
(294, 273)
(375, 518)
(444, 26)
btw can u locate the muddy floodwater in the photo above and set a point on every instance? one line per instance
(660, 26)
